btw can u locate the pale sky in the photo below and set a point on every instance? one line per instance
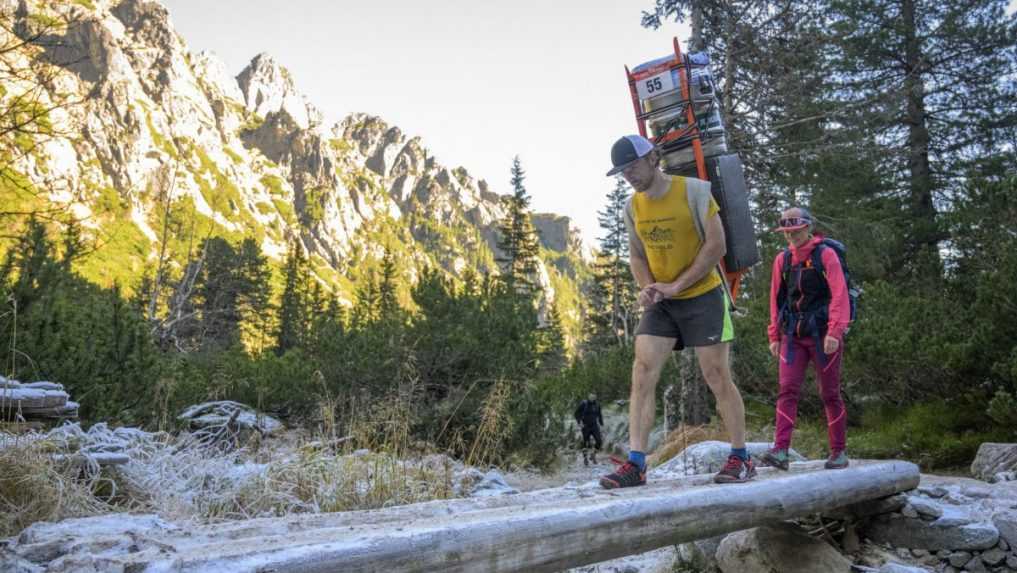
(478, 81)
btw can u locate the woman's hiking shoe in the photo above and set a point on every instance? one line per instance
(837, 461)
(628, 475)
(776, 458)
(736, 470)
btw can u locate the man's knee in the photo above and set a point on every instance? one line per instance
(716, 375)
(644, 377)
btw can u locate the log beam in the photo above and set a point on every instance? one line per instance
(544, 531)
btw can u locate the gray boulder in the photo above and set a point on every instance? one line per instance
(472, 482)
(700, 555)
(228, 415)
(894, 567)
(993, 458)
(944, 533)
(707, 458)
(766, 550)
(1006, 523)
(926, 508)
(993, 557)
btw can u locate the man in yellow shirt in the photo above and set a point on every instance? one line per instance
(676, 241)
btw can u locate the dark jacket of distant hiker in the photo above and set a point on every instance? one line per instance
(588, 414)
(590, 419)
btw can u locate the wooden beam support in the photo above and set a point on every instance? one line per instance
(544, 531)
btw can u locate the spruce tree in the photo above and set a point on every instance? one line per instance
(553, 354)
(518, 240)
(253, 308)
(293, 307)
(614, 289)
(366, 311)
(933, 81)
(388, 300)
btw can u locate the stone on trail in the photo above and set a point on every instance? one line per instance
(707, 458)
(1006, 523)
(994, 458)
(894, 567)
(943, 533)
(224, 412)
(926, 508)
(784, 548)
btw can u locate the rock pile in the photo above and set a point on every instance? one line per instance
(952, 525)
(35, 401)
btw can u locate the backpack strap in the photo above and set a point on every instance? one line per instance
(817, 264)
(784, 304)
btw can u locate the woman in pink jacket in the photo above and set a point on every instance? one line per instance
(809, 313)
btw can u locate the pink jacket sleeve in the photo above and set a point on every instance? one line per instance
(840, 306)
(772, 331)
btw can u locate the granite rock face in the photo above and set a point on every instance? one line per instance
(245, 155)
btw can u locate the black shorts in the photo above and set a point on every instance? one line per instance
(700, 321)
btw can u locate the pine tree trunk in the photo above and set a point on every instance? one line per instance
(730, 65)
(696, 43)
(687, 400)
(925, 236)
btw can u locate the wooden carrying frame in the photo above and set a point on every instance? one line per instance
(690, 133)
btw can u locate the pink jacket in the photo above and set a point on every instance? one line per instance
(840, 306)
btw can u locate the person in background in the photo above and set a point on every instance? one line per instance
(590, 420)
(809, 314)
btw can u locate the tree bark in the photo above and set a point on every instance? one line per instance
(925, 237)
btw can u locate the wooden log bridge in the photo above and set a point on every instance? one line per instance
(547, 530)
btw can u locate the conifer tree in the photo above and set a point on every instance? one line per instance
(232, 288)
(293, 307)
(934, 81)
(367, 309)
(553, 354)
(518, 240)
(388, 301)
(613, 288)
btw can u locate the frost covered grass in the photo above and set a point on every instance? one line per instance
(194, 477)
(36, 487)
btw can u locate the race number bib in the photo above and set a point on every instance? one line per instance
(655, 85)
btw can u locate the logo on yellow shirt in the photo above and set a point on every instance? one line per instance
(659, 235)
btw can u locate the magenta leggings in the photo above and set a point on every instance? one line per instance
(791, 377)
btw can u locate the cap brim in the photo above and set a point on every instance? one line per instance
(794, 228)
(618, 169)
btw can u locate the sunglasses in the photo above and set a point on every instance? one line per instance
(795, 222)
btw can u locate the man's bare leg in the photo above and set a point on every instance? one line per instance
(651, 354)
(716, 368)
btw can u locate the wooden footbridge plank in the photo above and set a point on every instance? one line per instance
(548, 530)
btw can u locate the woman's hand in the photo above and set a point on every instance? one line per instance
(830, 345)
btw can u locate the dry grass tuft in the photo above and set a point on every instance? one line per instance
(495, 425)
(683, 437)
(34, 487)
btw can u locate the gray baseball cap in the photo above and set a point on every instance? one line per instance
(627, 151)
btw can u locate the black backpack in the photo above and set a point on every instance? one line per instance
(817, 263)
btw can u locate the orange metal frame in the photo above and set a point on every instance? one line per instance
(733, 278)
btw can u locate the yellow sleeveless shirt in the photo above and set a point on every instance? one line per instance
(668, 235)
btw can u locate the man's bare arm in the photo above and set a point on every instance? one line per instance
(713, 249)
(640, 267)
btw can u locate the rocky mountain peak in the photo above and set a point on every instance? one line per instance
(166, 136)
(267, 86)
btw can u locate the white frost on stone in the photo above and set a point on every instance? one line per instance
(221, 412)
